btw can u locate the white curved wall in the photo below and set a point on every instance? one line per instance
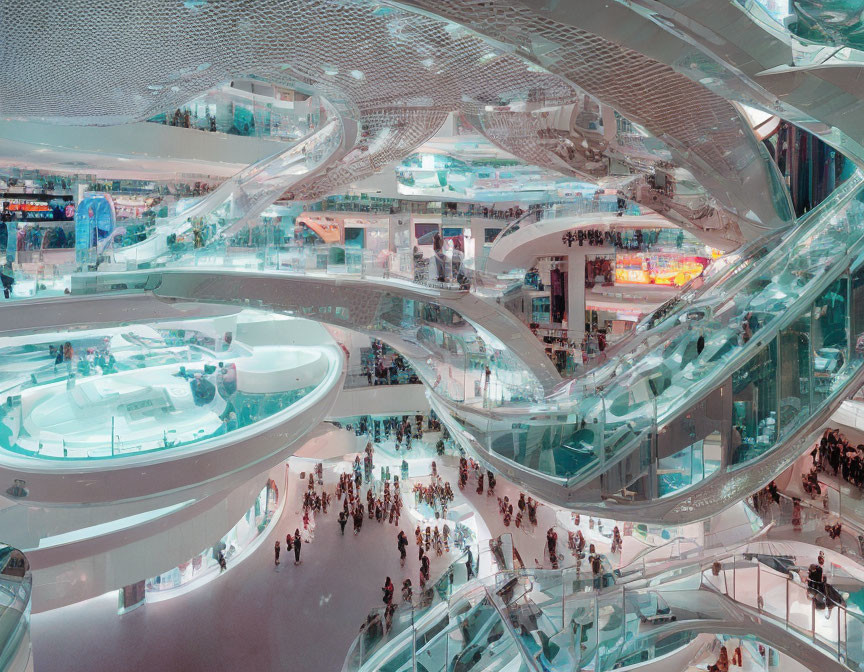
(157, 150)
(71, 572)
(284, 369)
(78, 312)
(380, 400)
(543, 238)
(215, 463)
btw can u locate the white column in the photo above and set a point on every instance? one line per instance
(576, 292)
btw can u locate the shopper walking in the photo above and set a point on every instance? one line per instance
(343, 518)
(276, 552)
(596, 571)
(402, 544)
(8, 278)
(388, 591)
(552, 543)
(424, 571)
(298, 542)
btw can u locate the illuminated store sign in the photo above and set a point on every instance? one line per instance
(657, 269)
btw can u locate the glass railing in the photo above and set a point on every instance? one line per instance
(614, 412)
(146, 399)
(614, 623)
(810, 517)
(820, 33)
(739, 318)
(459, 349)
(100, 443)
(653, 557)
(23, 367)
(235, 112)
(814, 613)
(578, 206)
(239, 200)
(539, 619)
(467, 632)
(392, 627)
(16, 585)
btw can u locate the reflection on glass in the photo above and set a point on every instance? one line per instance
(689, 465)
(124, 391)
(795, 372)
(830, 342)
(754, 405)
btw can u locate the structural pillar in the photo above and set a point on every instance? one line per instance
(576, 293)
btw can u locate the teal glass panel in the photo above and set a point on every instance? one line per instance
(795, 356)
(830, 342)
(754, 405)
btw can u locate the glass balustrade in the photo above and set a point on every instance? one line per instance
(574, 208)
(739, 322)
(815, 613)
(396, 627)
(237, 112)
(532, 617)
(16, 585)
(584, 430)
(124, 391)
(620, 403)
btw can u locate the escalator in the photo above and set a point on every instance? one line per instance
(241, 199)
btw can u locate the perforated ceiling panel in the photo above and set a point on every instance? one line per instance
(110, 62)
(397, 73)
(706, 134)
(106, 62)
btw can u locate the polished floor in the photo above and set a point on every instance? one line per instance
(258, 617)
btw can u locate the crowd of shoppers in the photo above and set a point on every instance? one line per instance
(635, 240)
(185, 118)
(400, 428)
(97, 360)
(834, 454)
(381, 365)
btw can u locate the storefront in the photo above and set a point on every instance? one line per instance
(362, 233)
(37, 207)
(615, 317)
(132, 207)
(32, 222)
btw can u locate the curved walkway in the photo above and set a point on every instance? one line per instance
(594, 441)
(551, 628)
(242, 198)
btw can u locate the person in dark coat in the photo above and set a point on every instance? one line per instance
(402, 544)
(388, 591)
(298, 542)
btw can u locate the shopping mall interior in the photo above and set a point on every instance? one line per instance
(349, 335)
